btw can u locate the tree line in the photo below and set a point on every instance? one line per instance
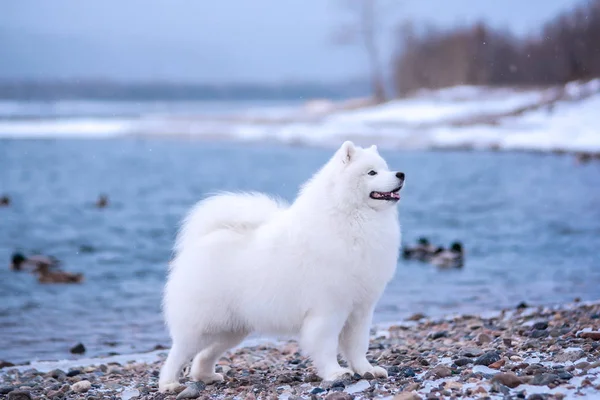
(566, 48)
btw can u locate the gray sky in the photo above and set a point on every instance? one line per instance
(219, 40)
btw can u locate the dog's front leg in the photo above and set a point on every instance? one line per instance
(320, 339)
(354, 342)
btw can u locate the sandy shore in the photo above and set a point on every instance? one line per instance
(525, 353)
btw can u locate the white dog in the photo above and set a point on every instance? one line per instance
(316, 268)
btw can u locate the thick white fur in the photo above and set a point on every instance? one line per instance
(316, 268)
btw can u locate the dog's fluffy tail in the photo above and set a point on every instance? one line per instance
(239, 212)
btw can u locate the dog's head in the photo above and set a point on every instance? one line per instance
(365, 178)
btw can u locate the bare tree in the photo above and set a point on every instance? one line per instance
(364, 29)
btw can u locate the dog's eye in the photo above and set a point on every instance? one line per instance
(371, 172)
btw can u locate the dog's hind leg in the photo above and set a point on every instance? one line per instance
(203, 365)
(180, 353)
(354, 342)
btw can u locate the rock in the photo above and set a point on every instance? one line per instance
(564, 375)
(542, 325)
(57, 374)
(537, 334)
(73, 372)
(193, 391)
(368, 376)
(407, 372)
(544, 379)
(507, 342)
(339, 396)
(471, 352)
(500, 388)
(488, 358)
(79, 348)
(317, 390)
(407, 396)
(18, 395)
(507, 379)
(522, 305)
(417, 317)
(4, 364)
(590, 335)
(498, 364)
(441, 371)
(357, 387)
(81, 386)
(338, 383)
(461, 362)
(536, 396)
(482, 338)
(439, 335)
(6, 389)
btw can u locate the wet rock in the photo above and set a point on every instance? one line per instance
(19, 395)
(482, 338)
(564, 375)
(544, 379)
(541, 325)
(81, 386)
(79, 348)
(507, 379)
(339, 383)
(488, 358)
(73, 372)
(461, 362)
(407, 372)
(317, 390)
(57, 374)
(193, 391)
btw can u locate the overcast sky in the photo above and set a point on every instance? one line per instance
(218, 40)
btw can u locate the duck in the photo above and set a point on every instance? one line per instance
(45, 275)
(448, 258)
(4, 201)
(102, 201)
(19, 262)
(420, 252)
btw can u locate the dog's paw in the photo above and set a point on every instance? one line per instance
(169, 387)
(208, 378)
(338, 374)
(378, 372)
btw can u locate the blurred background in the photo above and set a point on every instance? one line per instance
(116, 117)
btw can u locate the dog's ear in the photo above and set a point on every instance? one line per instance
(348, 150)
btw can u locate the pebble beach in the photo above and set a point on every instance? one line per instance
(536, 353)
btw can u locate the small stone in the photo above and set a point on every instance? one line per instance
(73, 372)
(536, 396)
(590, 335)
(537, 334)
(500, 388)
(312, 377)
(507, 379)
(57, 374)
(6, 389)
(19, 395)
(417, 317)
(317, 390)
(407, 372)
(368, 376)
(338, 396)
(488, 358)
(471, 352)
(461, 362)
(81, 386)
(564, 375)
(441, 371)
(542, 325)
(507, 342)
(407, 396)
(522, 305)
(412, 387)
(338, 383)
(498, 364)
(79, 348)
(544, 379)
(193, 391)
(482, 338)
(439, 335)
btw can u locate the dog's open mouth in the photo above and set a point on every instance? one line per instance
(394, 195)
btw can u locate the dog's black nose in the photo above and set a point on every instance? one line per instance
(400, 175)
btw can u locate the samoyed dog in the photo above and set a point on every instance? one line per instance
(315, 269)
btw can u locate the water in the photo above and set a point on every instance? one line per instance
(530, 224)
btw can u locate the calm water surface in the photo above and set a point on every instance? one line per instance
(530, 224)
